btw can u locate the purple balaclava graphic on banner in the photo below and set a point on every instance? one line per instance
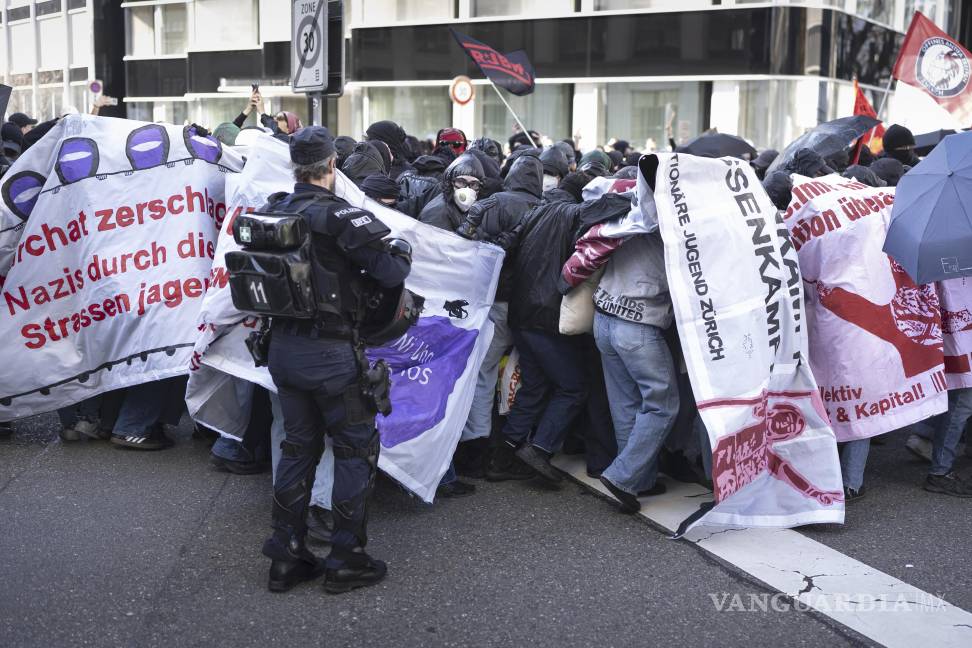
(21, 191)
(205, 148)
(426, 362)
(78, 159)
(147, 147)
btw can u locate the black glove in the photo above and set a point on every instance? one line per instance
(400, 248)
(201, 131)
(467, 230)
(505, 240)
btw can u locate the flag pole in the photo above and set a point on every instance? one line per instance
(508, 107)
(884, 101)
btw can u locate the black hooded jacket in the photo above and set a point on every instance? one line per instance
(498, 219)
(492, 182)
(547, 240)
(394, 136)
(419, 186)
(364, 161)
(442, 211)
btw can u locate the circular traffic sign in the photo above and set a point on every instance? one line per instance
(461, 91)
(308, 42)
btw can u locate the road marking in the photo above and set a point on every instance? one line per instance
(870, 602)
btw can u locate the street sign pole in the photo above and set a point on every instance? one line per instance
(309, 64)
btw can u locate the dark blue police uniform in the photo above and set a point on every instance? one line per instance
(317, 370)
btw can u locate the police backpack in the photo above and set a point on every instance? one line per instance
(273, 274)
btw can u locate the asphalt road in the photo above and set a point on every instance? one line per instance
(107, 547)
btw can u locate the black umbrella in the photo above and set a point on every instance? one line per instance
(827, 138)
(925, 142)
(716, 145)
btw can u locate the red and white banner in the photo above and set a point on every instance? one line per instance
(107, 234)
(932, 61)
(738, 295)
(875, 337)
(955, 296)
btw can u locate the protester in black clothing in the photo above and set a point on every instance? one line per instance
(554, 167)
(460, 187)
(779, 187)
(364, 161)
(763, 162)
(553, 375)
(393, 136)
(888, 169)
(864, 175)
(344, 146)
(380, 187)
(899, 143)
(419, 186)
(490, 147)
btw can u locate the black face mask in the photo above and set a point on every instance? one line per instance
(904, 156)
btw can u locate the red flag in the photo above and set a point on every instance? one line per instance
(932, 61)
(863, 107)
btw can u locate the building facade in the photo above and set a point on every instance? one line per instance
(50, 50)
(639, 70)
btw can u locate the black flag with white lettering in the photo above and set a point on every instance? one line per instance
(512, 71)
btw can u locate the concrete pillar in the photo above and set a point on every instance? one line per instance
(724, 107)
(585, 115)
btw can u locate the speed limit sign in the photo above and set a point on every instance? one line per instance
(309, 45)
(461, 91)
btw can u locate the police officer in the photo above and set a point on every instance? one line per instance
(316, 366)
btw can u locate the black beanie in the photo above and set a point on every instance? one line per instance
(574, 183)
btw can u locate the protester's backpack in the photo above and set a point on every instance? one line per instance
(273, 275)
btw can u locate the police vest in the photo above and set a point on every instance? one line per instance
(293, 267)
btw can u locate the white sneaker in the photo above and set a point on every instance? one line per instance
(920, 447)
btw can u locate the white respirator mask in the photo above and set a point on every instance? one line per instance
(550, 182)
(464, 198)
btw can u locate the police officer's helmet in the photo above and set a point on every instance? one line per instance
(389, 314)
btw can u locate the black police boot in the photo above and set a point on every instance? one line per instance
(292, 562)
(291, 567)
(352, 569)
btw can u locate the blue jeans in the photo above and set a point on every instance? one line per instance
(948, 429)
(151, 404)
(643, 393)
(853, 458)
(480, 421)
(552, 392)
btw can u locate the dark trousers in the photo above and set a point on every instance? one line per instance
(600, 444)
(553, 388)
(312, 378)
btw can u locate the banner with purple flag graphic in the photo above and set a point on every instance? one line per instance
(434, 365)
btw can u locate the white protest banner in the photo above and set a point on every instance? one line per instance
(875, 337)
(737, 293)
(107, 234)
(434, 365)
(955, 296)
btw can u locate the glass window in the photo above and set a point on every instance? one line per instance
(608, 5)
(927, 7)
(80, 98)
(80, 38)
(226, 24)
(21, 100)
(53, 54)
(547, 110)
(141, 31)
(139, 111)
(641, 112)
(421, 111)
(774, 113)
(22, 50)
(175, 38)
(384, 12)
(521, 7)
(50, 103)
(881, 11)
